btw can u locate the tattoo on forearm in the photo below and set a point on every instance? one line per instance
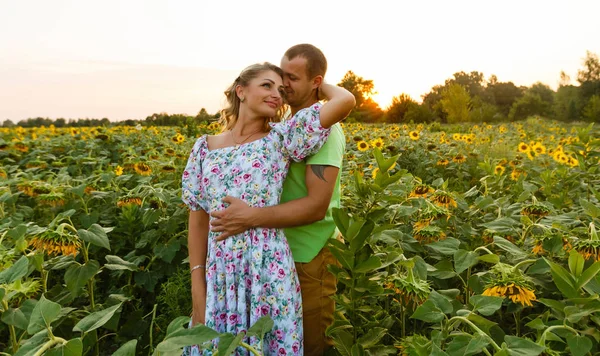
(319, 171)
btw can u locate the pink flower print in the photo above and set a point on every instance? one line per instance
(247, 177)
(256, 164)
(273, 344)
(230, 269)
(248, 283)
(205, 181)
(277, 255)
(228, 256)
(281, 273)
(257, 277)
(239, 255)
(279, 334)
(272, 267)
(219, 254)
(296, 347)
(235, 170)
(186, 174)
(266, 247)
(215, 169)
(255, 239)
(233, 319)
(237, 181)
(223, 317)
(298, 288)
(282, 351)
(265, 309)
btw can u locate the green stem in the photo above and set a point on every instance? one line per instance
(542, 340)
(11, 328)
(517, 316)
(483, 248)
(523, 263)
(249, 348)
(49, 344)
(478, 330)
(151, 349)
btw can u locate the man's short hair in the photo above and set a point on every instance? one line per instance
(316, 63)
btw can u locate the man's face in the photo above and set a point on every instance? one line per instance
(298, 86)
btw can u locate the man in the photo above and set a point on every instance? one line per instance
(310, 192)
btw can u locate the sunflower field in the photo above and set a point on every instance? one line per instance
(458, 240)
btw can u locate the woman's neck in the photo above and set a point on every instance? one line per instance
(247, 124)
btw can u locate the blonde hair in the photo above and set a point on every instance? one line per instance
(230, 114)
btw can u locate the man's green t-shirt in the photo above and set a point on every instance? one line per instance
(306, 241)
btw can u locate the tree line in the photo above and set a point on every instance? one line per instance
(465, 97)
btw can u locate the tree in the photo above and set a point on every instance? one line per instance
(589, 77)
(592, 109)
(397, 110)
(504, 94)
(455, 103)
(366, 108)
(567, 104)
(546, 94)
(528, 105)
(418, 114)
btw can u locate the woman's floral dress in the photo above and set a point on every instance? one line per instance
(252, 274)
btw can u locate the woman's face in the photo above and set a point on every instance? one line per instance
(264, 94)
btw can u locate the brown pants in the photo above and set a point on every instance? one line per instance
(318, 286)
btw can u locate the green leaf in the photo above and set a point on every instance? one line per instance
(262, 326)
(197, 335)
(78, 275)
(441, 301)
(371, 264)
(563, 280)
(446, 247)
(579, 345)
(95, 235)
(354, 229)
(228, 343)
(128, 349)
(588, 275)
(177, 324)
(463, 345)
(357, 350)
(436, 351)
(96, 319)
(575, 313)
(44, 313)
(73, 347)
(15, 317)
(343, 341)
(536, 324)
(358, 241)
(503, 225)
(341, 219)
(463, 260)
(576, 263)
(509, 247)
(489, 258)
(17, 271)
(522, 347)
(117, 263)
(485, 305)
(341, 253)
(428, 312)
(372, 337)
(590, 208)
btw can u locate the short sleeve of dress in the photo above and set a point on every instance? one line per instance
(193, 192)
(302, 134)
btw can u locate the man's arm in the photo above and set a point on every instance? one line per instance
(239, 217)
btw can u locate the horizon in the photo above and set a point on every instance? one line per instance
(130, 60)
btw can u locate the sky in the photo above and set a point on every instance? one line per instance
(127, 59)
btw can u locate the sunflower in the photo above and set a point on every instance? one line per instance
(394, 135)
(170, 152)
(118, 171)
(129, 201)
(168, 169)
(374, 173)
(572, 162)
(535, 211)
(36, 164)
(420, 190)
(523, 147)
(442, 198)
(443, 162)
(538, 249)
(499, 170)
(414, 135)
(21, 147)
(142, 169)
(517, 293)
(409, 291)
(377, 143)
(516, 173)
(52, 199)
(362, 146)
(54, 243)
(539, 148)
(459, 158)
(429, 234)
(179, 138)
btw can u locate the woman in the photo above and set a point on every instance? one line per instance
(237, 281)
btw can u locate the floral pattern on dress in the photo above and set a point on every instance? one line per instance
(252, 274)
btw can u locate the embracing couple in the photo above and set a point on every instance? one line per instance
(261, 174)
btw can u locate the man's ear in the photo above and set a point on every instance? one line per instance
(317, 81)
